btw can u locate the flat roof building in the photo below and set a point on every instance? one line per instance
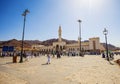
(92, 45)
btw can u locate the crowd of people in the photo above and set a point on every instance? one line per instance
(27, 55)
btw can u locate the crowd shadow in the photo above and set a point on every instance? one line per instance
(9, 62)
(45, 64)
(6, 63)
(111, 63)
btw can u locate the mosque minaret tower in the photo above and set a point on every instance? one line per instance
(60, 34)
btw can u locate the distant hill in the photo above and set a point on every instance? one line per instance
(110, 46)
(69, 41)
(29, 43)
(14, 42)
(50, 41)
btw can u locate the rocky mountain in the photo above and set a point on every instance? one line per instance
(14, 42)
(50, 41)
(31, 42)
(28, 43)
(110, 46)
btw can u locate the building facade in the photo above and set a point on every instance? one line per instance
(92, 46)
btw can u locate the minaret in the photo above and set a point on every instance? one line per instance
(60, 34)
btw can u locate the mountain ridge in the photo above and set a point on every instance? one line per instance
(29, 43)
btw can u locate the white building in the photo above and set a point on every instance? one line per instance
(92, 45)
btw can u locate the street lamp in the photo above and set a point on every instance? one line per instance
(105, 32)
(80, 35)
(24, 14)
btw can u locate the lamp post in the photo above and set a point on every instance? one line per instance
(105, 32)
(80, 35)
(24, 14)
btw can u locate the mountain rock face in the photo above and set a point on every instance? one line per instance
(15, 43)
(29, 43)
(50, 41)
(12, 42)
(110, 46)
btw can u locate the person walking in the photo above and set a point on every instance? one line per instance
(49, 59)
(103, 55)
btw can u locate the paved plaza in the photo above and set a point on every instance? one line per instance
(91, 69)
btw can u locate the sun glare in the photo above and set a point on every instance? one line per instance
(95, 3)
(91, 4)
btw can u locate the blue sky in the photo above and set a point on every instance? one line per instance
(46, 15)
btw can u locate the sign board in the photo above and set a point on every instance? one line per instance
(8, 48)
